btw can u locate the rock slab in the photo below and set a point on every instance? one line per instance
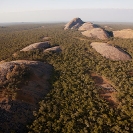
(39, 45)
(96, 33)
(125, 33)
(88, 26)
(110, 51)
(55, 49)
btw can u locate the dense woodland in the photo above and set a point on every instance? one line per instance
(74, 104)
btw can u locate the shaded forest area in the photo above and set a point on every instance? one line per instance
(74, 104)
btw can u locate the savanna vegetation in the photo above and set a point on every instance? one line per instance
(74, 104)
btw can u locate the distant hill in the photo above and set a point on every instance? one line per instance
(90, 29)
(74, 24)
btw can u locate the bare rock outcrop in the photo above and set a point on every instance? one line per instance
(125, 33)
(46, 38)
(74, 24)
(18, 102)
(39, 45)
(96, 33)
(110, 51)
(88, 26)
(55, 49)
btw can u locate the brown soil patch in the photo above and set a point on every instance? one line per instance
(130, 73)
(107, 92)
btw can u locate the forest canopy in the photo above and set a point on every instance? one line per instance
(75, 103)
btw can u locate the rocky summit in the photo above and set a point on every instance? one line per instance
(74, 24)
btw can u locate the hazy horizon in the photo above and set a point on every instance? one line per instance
(64, 11)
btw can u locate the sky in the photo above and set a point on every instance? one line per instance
(65, 10)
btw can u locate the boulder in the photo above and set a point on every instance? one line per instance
(39, 45)
(125, 33)
(111, 52)
(55, 49)
(88, 26)
(96, 33)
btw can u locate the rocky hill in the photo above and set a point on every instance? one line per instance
(125, 33)
(89, 29)
(22, 85)
(96, 33)
(110, 51)
(74, 24)
(39, 45)
(88, 26)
